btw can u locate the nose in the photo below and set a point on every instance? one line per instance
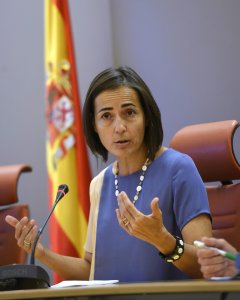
(120, 125)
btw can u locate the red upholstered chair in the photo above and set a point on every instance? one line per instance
(9, 251)
(212, 147)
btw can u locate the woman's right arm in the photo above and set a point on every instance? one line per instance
(66, 266)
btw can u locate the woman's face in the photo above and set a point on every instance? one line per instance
(120, 121)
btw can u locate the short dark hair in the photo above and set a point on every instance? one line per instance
(113, 78)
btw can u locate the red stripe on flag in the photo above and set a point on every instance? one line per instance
(65, 247)
(83, 168)
(61, 5)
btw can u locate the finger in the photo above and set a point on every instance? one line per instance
(218, 243)
(28, 228)
(28, 240)
(19, 227)
(123, 221)
(120, 206)
(208, 257)
(123, 201)
(156, 212)
(210, 254)
(119, 217)
(127, 209)
(214, 270)
(11, 220)
(210, 241)
(28, 232)
(31, 231)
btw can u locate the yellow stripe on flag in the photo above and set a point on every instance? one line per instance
(55, 43)
(68, 210)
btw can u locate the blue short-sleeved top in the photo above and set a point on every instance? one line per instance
(174, 179)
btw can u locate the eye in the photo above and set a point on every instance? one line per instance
(130, 112)
(106, 116)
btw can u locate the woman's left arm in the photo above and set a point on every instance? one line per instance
(151, 229)
(194, 230)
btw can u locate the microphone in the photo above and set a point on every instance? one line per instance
(20, 276)
(62, 191)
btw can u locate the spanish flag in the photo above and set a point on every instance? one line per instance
(67, 159)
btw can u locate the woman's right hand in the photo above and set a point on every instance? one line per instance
(25, 232)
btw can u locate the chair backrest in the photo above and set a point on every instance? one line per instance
(9, 175)
(211, 146)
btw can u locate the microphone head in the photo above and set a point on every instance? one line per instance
(62, 191)
(64, 188)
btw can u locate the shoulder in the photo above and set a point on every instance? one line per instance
(176, 159)
(184, 169)
(98, 177)
(179, 166)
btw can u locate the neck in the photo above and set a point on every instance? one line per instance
(128, 166)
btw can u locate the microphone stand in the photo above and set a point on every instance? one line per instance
(31, 276)
(32, 258)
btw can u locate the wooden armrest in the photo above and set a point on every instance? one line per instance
(9, 176)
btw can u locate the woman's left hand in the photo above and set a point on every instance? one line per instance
(149, 228)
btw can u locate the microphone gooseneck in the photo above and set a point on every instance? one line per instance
(62, 191)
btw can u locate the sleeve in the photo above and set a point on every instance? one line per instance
(189, 192)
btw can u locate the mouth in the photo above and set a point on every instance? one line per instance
(121, 142)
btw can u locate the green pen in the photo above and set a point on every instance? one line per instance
(226, 254)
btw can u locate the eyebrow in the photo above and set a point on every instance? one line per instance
(110, 108)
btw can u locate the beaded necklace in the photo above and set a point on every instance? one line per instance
(139, 186)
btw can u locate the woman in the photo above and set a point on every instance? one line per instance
(147, 207)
